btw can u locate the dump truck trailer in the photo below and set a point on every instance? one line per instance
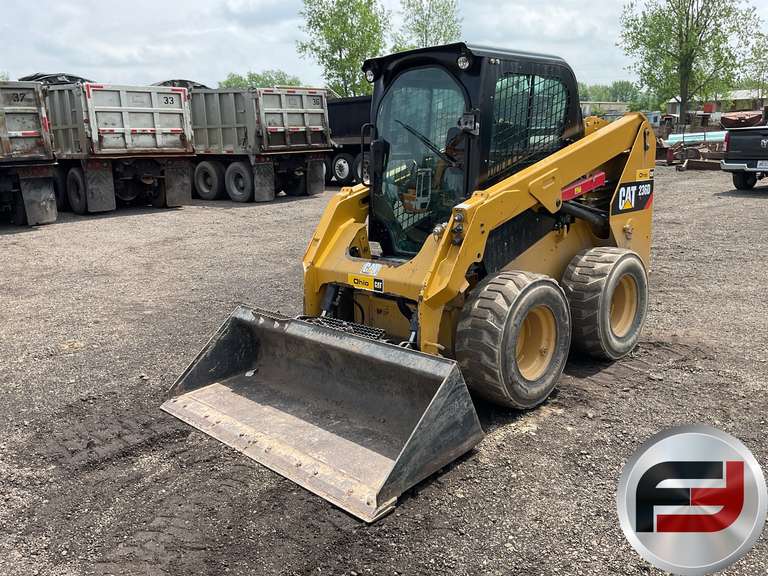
(348, 162)
(26, 155)
(251, 144)
(114, 143)
(500, 231)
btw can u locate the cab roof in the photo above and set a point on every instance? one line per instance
(470, 49)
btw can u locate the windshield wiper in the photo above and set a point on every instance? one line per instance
(429, 144)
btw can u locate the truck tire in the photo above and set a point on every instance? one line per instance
(744, 180)
(157, 199)
(60, 188)
(513, 337)
(296, 186)
(608, 292)
(343, 164)
(19, 216)
(209, 180)
(360, 168)
(328, 170)
(238, 181)
(76, 197)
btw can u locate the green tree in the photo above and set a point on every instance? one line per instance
(756, 70)
(341, 35)
(427, 23)
(3, 76)
(583, 92)
(685, 48)
(623, 91)
(599, 93)
(260, 79)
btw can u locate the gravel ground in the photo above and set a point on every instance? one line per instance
(100, 314)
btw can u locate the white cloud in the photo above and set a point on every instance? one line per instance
(144, 41)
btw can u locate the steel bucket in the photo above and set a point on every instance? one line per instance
(354, 420)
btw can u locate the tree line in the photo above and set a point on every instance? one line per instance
(341, 34)
(682, 49)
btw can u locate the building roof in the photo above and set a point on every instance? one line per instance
(753, 94)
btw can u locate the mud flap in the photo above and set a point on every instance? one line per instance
(99, 186)
(354, 420)
(263, 182)
(38, 195)
(178, 183)
(315, 177)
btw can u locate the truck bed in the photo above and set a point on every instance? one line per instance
(747, 150)
(108, 120)
(24, 135)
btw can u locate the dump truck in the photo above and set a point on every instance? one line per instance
(251, 144)
(115, 143)
(26, 155)
(500, 231)
(348, 162)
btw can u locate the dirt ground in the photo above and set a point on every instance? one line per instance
(98, 315)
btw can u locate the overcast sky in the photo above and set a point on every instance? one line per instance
(143, 41)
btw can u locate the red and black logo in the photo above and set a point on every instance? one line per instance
(650, 495)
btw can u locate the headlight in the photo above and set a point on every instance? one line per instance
(369, 75)
(463, 62)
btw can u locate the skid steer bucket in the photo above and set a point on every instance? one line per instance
(354, 420)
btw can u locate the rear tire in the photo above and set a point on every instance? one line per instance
(328, 170)
(238, 180)
(342, 169)
(19, 211)
(60, 189)
(209, 180)
(360, 168)
(158, 199)
(744, 180)
(513, 337)
(295, 186)
(608, 292)
(76, 197)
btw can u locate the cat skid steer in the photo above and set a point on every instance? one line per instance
(499, 230)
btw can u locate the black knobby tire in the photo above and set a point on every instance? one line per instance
(608, 291)
(328, 170)
(744, 180)
(360, 168)
(209, 180)
(497, 346)
(238, 181)
(343, 169)
(76, 196)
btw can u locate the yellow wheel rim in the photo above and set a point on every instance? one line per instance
(623, 306)
(536, 343)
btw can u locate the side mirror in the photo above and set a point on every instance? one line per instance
(379, 155)
(468, 123)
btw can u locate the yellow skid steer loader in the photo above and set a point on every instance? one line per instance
(499, 229)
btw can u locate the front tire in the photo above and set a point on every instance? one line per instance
(513, 337)
(342, 169)
(76, 197)
(239, 182)
(744, 180)
(608, 292)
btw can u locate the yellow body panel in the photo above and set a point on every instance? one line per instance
(436, 278)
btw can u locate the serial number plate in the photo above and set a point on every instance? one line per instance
(762, 164)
